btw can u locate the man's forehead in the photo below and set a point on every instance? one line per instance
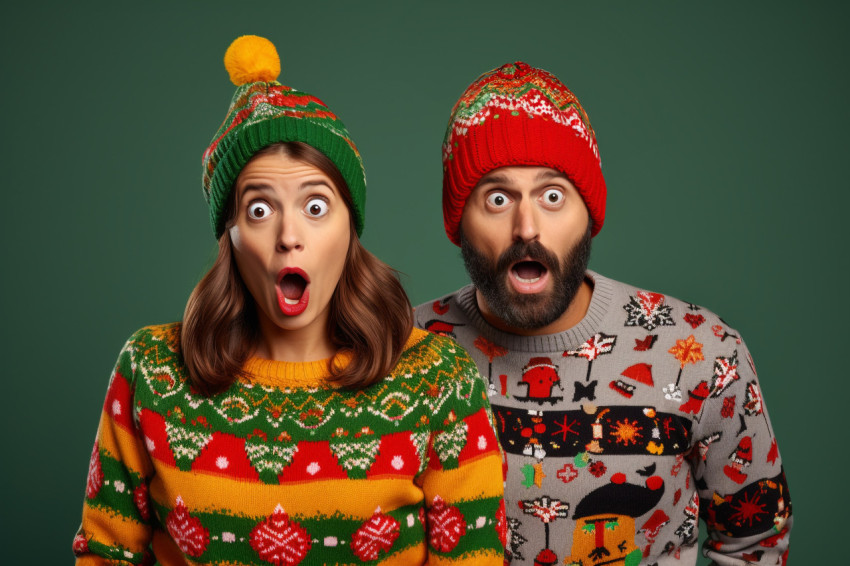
(516, 173)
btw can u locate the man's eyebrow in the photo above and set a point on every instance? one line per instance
(494, 178)
(547, 174)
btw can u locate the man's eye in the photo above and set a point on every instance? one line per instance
(316, 207)
(553, 196)
(259, 210)
(497, 200)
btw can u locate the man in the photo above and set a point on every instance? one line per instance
(625, 415)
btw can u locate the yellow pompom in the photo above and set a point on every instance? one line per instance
(251, 59)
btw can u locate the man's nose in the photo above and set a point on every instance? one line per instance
(526, 227)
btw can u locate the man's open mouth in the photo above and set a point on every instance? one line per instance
(529, 271)
(528, 277)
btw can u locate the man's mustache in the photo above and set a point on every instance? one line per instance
(533, 251)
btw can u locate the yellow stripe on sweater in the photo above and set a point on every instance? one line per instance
(356, 498)
(123, 445)
(112, 529)
(473, 479)
(487, 557)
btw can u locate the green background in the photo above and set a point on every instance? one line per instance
(722, 128)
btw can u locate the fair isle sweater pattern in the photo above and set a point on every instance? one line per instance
(282, 469)
(623, 431)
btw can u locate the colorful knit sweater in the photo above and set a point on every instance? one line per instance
(625, 429)
(281, 469)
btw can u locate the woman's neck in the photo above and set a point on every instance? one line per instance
(302, 344)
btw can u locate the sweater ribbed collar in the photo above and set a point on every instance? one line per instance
(569, 339)
(292, 375)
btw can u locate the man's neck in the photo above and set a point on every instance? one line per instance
(569, 318)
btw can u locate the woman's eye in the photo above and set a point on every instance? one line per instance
(553, 196)
(497, 200)
(259, 210)
(316, 207)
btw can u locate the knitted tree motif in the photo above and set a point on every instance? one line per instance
(375, 535)
(421, 441)
(648, 310)
(280, 541)
(594, 347)
(449, 442)
(269, 457)
(186, 443)
(490, 350)
(546, 510)
(95, 476)
(355, 452)
(446, 525)
(188, 533)
(687, 351)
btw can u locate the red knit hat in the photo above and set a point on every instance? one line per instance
(518, 115)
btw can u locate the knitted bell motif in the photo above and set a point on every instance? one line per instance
(264, 112)
(519, 115)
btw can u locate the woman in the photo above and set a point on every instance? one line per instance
(293, 417)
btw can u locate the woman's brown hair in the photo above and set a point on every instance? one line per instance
(370, 314)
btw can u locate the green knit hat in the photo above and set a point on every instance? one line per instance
(264, 112)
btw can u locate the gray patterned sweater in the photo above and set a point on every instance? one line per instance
(623, 431)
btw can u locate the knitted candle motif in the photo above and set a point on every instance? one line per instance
(264, 112)
(518, 115)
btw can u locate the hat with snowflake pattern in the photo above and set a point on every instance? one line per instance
(518, 115)
(264, 112)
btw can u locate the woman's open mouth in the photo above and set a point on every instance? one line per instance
(528, 276)
(292, 292)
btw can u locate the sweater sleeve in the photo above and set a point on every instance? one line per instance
(463, 482)
(115, 526)
(743, 494)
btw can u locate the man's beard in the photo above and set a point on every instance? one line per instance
(527, 311)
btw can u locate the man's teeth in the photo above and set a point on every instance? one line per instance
(532, 280)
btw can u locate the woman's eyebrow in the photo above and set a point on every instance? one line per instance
(262, 187)
(314, 183)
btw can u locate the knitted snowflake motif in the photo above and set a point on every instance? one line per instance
(375, 535)
(280, 541)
